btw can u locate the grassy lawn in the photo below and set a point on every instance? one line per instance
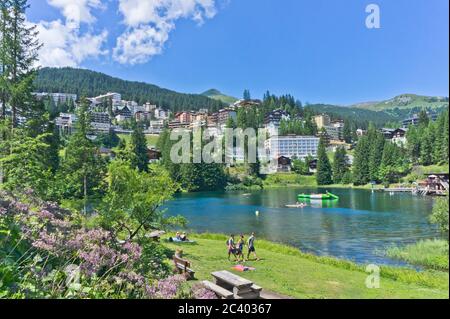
(289, 179)
(151, 139)
(287, 271)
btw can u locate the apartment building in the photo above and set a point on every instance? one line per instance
(292, 146)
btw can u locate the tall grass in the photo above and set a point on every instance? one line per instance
(431, 254)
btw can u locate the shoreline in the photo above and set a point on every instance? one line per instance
(281, 265)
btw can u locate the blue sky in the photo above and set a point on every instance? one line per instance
(317, 50)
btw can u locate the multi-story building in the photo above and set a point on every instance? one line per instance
(335, 131)
(223, 116)
(414, 120)
(212, 120)
(100, 121)
(141, 116)
(176, 124)
(148, 107)
(156, 126)
(161, 114)
(292, 146)
(115, 97)
(58, 98)
(65, 122)
(273, 120)
(184, 117)
(322, 120)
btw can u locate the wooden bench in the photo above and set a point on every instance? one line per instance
(182, 266)
(219, 291)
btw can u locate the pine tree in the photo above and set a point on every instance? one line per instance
(376, 153)
(426, 149)
(340, 165)
(82, 169)
(246, 95)
(413, 146)
(139, 148)
(347, 132)
(324, 171)
(361, 171)
(445, 139)
(424, 120)
(5, 41)
(22, 52)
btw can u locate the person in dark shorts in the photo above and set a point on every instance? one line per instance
(240, 248)
(231, 247)
(251, 246)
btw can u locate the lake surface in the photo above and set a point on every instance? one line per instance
(357, 227)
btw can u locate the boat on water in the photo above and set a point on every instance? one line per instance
(297, 206)
(326, 196)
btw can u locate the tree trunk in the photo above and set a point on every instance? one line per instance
(85, 194)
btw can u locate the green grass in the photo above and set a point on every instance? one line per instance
(287, 271)
(431, 254)
(152, 140)
(289, 179)
(420, 172)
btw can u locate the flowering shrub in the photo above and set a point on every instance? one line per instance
(44, 253)
(200, 292)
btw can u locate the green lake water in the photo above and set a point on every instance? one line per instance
(357, 227)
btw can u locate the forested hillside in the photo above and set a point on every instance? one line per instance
(359, 116)
(406, 101)
(90, 83)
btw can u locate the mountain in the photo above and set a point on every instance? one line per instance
(217, 95)
(405, 101)
(89, 83)
(357, 115)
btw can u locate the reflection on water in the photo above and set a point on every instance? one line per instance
(354, 227)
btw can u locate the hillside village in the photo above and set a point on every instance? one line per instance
(109, 112)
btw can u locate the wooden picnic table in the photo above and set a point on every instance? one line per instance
(155, 235)
(241, 287)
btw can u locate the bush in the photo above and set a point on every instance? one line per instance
(440, 214)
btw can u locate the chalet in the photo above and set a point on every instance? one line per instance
(107, 152)
(284, 164)
(65, 122)
(123, 114)
(154, 155)
(313, 166)
(273, 120)
(397, 136)
(246, 103)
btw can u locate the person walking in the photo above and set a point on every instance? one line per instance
(240, 248)
(231, 247)
(251, 247)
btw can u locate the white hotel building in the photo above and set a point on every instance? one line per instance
(292, 146)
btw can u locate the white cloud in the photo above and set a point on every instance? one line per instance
(149, 23)
(77, 11)
(64, 46)
(64, 42)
